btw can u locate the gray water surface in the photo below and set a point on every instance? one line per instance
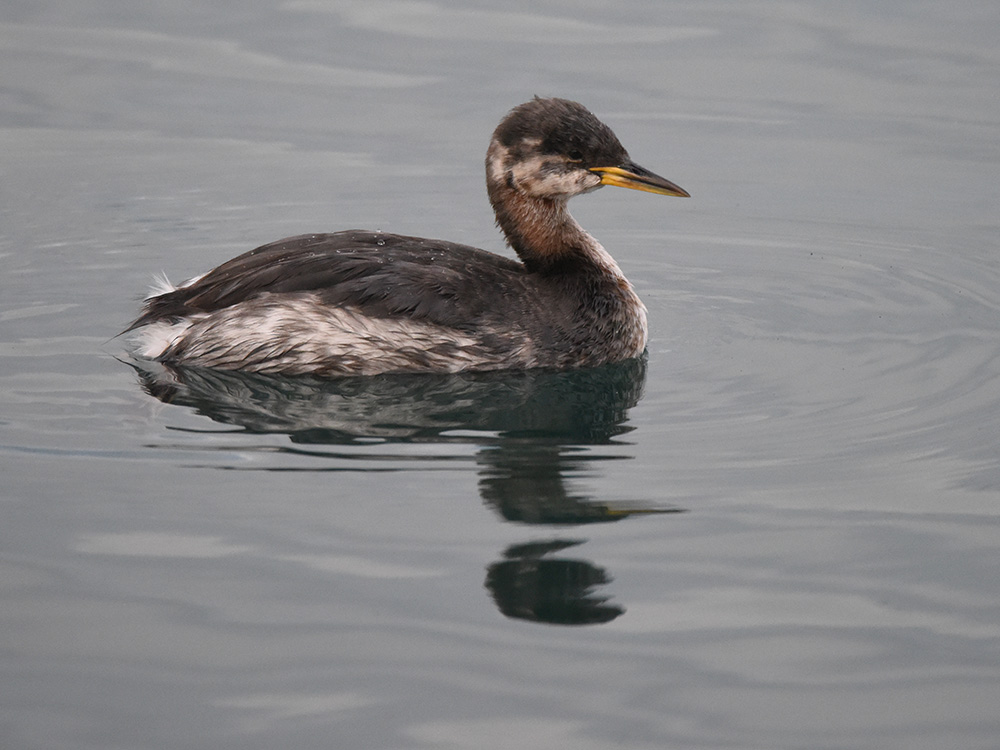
(779, 530)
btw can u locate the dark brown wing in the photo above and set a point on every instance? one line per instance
(383, 275)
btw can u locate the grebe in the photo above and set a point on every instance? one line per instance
(363, 303)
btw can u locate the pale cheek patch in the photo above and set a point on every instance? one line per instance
(549, 177)
(497, 158)
(541, 175)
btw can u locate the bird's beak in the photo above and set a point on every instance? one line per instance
(631, 175)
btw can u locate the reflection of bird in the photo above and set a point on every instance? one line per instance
(530, 407)
(529, 586)
(360, 302)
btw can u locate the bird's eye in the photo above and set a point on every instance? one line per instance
(575, 156)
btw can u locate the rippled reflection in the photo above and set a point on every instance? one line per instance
(529, 427)
(528, 586)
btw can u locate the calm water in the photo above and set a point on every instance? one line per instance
(498, 562)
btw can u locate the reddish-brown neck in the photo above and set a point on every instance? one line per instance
(540, 230)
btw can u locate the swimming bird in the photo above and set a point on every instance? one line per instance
(365, 302)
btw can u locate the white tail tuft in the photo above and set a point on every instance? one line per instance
(161, 285)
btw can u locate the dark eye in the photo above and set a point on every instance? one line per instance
(575, 156)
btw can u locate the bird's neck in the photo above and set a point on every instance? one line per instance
(544, 234)
(551, 243)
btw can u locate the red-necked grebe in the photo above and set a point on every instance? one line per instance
(362, 303)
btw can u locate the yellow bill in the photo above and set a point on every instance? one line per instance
(638, 178)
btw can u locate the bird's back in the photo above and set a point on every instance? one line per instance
(384, 275)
